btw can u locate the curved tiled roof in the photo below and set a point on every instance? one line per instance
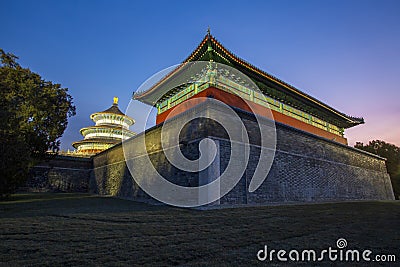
(255, 73)
(105, 127)
(113, 109)
(108, 141)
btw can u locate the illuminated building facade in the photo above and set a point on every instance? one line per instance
(288, 104)
(112, 126)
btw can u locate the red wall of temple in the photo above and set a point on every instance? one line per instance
(236, 101)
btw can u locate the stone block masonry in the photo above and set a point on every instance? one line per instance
(60, 174)
(306, 168)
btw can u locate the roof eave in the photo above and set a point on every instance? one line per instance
(144, 96)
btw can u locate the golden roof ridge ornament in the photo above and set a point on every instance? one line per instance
(115, 101)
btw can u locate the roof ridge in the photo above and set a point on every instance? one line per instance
(140, 94)
(285, 84)
(232, 56)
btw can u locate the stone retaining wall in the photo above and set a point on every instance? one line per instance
(305, 167)
(60, 174)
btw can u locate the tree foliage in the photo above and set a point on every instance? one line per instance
(392, 155)
(34, 114)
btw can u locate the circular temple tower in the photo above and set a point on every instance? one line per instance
(112, 127)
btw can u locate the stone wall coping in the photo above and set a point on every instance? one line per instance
(72, 158)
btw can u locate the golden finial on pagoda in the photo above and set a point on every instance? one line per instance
(115, 100)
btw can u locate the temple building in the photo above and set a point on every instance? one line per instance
(288, 104)
(308, 159)
(112, 126)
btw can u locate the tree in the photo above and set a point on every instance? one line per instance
(392, 155)
(34, 114)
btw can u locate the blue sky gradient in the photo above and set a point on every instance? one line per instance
(344, 53)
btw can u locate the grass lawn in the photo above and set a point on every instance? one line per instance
(81, 229)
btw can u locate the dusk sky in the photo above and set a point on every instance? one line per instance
(344, 53)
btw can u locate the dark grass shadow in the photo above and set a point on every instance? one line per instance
(48, 204)
(30, 197)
